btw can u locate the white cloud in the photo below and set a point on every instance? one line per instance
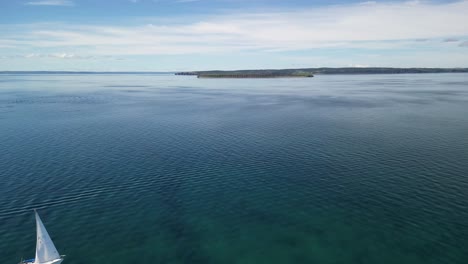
(62, 55)
(368, 26)
(359, 65)
(51, 3)
(32, 55)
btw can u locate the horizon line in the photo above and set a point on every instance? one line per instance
(302, 68)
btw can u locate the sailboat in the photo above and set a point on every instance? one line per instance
(46, 253)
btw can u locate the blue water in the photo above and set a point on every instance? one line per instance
(174, 169)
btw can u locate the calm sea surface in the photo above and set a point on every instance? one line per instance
(173, 169)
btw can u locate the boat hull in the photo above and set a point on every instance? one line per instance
(56, 261)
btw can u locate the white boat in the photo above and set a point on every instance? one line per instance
(46, 253)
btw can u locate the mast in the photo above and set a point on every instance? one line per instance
(45, 248)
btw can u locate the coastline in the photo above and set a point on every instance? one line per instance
(310, 72)
(252, 76)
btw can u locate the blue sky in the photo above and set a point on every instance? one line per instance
(177, 35)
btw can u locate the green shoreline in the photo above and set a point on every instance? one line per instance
(310, 72)
(254, 75)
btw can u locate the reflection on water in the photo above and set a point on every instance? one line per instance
(172, 169)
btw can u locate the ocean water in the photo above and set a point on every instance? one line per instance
(173, 169)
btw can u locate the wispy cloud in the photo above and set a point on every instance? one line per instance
(61, 55)
(365, 26)
(51, 3)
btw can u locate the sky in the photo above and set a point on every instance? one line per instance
(183, 35)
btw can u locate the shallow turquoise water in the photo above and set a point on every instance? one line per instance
(172, 169)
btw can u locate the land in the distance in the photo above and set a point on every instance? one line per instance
(310, 72)
(268, 73)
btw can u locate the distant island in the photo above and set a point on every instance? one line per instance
(255, 74)
(310, 72)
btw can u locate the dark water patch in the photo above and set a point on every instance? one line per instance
(60, 99)
(417, 92)
(127, 86)
(132, 91)
(452, 83)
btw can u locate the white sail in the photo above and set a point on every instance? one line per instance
(45, 248)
